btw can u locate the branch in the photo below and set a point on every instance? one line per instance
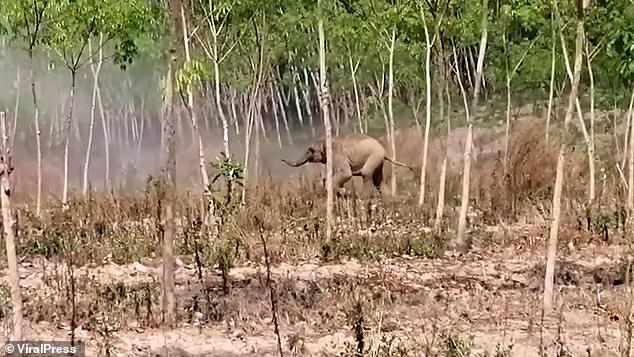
(95, 53)
(519, 63)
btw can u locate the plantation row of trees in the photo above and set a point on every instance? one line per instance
(223, 65)
(376, 53)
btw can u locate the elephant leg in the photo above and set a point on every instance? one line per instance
(373, 170)
(377, 177)
(340, 177)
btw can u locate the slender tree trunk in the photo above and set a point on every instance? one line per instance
(169, 173)
(204, 178)
(251, 116)
(16, 110)
(258, 127)
(390, 109)
(630, 187)
(440, 207)
(559, 179)
(277, 119)
(509, 76)
(591, 148)
(298, 108)
(552, 82)
(67, 135)
(467, 162)
(95, 69)
(283, 112)
(8, 222)
(141, 134)
(586, 136)
(221, 112)
(353, 72)
(466, 176)
(38, 133)
(305, 94)
(628, 123)
(423, 170)
(106, 138)
(234, 115)
(324, 94)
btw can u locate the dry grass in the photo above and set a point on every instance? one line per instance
(385, 285)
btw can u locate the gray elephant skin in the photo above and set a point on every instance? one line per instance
(353, 155)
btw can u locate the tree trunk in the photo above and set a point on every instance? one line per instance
(423, 170)
(509, 77)
(14, 128)
(305, 94)
(283, 112)
(353, 71)
(440, 206)
(221, 112)
(69, 122)
(591, 148)
(552, 83)
(586, 136)
(204, 178)
(324, 96)
(234, 115)
(106, 138)
(275, 115)
(390, 109)
(95, 73)
(630, 186)
(8, 222)
(559, 179)
(141, 134)
(466, 175)
(169, 173)
(38, 133)
(251, 115)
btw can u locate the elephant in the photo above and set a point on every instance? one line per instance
(354, 155)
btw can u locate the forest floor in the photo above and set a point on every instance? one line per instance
(387, 284)
(432, 306)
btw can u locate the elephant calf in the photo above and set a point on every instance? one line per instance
(353, 155)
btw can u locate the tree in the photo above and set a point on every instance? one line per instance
(466, 173)
(429, 44)
(216, 15)
(8, 222)
(189, 77)
(119, 22)
(28, 21)
(559, 179)
(325, 111)
(168, 153)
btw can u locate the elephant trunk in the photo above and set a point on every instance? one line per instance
(297, 163)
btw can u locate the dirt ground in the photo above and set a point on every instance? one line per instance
(492, 295)
(426, 306)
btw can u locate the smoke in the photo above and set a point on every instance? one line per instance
(131, 102)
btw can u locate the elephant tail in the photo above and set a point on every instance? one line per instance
(399, 163)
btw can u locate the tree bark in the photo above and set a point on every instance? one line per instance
(69, 122)
(95, 69)
(559, 179)
(390, 109)
(8, 222)
(38, 133)
(552, 82)
(169, 172)
(204, 178)
(466, 175)
(423, 171)
(325, 110)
